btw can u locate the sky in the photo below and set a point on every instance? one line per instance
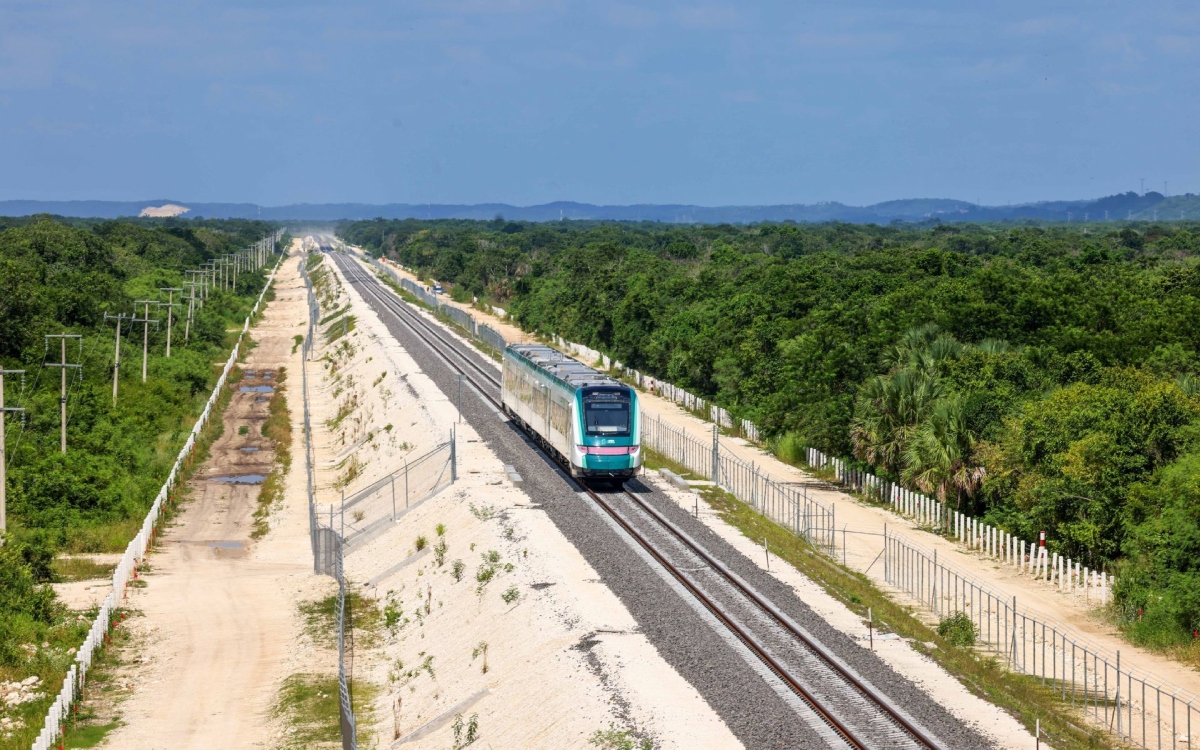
(525, 102)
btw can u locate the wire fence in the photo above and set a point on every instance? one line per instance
(1135, 705)
(360, 517)
(1071, 577)
(788, 505)
(135, 551)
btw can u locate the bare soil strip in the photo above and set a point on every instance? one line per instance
(218, 608)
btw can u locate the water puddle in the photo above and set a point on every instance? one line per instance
(257, 389)
(261, 399)
(242, 479)
(249, 448)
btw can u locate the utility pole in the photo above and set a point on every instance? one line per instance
(171, 305)
(187, 328)
(4, 410)
(64, 366)
(116, 352)
(145, 321)
(206, 269)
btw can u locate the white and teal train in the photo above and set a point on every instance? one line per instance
(585, 417)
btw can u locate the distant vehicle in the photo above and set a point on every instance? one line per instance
(437, 289)
(588, 420)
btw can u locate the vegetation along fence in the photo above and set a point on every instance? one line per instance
(1138, 707)
(1068, 576)
(135, 552)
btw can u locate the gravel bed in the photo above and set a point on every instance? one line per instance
(902, 691)
(751, 709)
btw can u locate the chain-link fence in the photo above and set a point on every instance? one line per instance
(360, 517)
(373, 508)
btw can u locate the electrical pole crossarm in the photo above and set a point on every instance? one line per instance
(145, 320)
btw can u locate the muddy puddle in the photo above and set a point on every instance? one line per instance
(241, 479)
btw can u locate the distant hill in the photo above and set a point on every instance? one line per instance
(1148, 206)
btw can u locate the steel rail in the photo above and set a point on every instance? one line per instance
(786, 623)
(758, 649)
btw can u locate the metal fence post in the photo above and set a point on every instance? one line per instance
(716, 466)
(453, 457)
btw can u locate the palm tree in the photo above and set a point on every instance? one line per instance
(890, 407)
(937, 458)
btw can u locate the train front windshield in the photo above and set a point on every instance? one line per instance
(606, 414)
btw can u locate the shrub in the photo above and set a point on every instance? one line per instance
(958, 630)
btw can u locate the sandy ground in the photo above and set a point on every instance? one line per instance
(564, 657)
(218, 607)
(1034, 596)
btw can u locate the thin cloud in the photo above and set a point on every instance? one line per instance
(1176, 45)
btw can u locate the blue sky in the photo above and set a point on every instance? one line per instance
(522, 101)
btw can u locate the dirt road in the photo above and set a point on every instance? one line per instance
(217, 608)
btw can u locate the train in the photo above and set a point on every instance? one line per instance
(590, 421)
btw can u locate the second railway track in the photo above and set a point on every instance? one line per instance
(846, 709)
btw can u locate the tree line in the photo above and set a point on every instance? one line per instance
(63, 276)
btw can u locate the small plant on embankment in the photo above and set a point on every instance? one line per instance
(487, 571)
(465, 731)
(619, 739)
(456, 570)
(478, 651)
(483, 512)
(421, 543)
(958, 630)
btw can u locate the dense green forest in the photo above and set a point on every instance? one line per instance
(1045, 377)
(60, 276)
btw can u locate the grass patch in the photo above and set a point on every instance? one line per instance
(297, 340)
(308, 703)
(340, 328)
(320, 619)
(1021, 696)
(98, 713)
(81, 569)
(278, 429)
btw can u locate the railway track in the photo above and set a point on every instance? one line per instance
(846, 710)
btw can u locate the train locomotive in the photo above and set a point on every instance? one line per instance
(588, 419)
